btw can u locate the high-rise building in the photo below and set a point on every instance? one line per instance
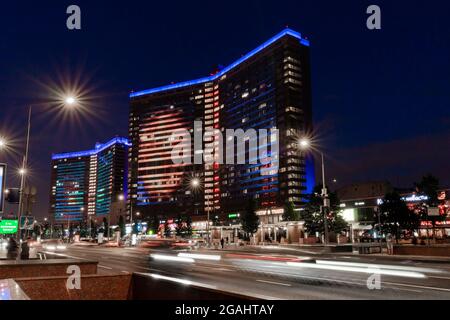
(90, 184)
(268, 88)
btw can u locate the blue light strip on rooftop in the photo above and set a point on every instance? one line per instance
(227, 69)
(98, 148)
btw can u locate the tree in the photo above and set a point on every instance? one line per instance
(180, 226)
(83, 230)
(105, 227)
(37, 230)
(314, 217)
(215, 221)
(167, 231)
(189, 226)
(249, 219)
(289, 213)
(152, 224)
(395, 216)
(93, 229)
(122, 226)
(429, 187)
(70, 231)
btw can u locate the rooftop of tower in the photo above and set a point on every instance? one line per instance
(285, 32)
(98, 148)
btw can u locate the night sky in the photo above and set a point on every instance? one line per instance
(380, 98)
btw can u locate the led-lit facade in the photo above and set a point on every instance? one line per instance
(269, 88)
(88, 184)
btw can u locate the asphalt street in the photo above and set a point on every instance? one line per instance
(271, 273)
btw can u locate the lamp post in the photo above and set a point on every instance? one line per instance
(131, 217)
(137, 215)
(69, 101)
(305, 144)
(195, 185)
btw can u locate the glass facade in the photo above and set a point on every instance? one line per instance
(70, 189)
(86, 183)
(269, 88)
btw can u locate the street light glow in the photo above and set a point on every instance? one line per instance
(304, 143)
(2, 143)
(121, 197)
(22, 171)
(195, 182)
(70, 100)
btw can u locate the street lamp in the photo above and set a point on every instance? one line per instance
(195, 185)
(2, 143)
(68, 100)
(305, 144)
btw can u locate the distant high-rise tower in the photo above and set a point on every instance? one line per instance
(269, 88)
(90, 184)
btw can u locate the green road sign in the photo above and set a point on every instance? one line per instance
(8, 226)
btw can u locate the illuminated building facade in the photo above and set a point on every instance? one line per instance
(88, 184)
(269, 88)
(360, 204)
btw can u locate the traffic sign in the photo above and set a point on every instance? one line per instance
(26, 222)
(8, 226)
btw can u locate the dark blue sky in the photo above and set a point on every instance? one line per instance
(380, 98)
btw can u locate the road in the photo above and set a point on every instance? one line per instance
(273, 274)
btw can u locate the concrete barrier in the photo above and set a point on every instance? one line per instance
(121, 287)
(92, 287)
(420, 250)
(12, 269)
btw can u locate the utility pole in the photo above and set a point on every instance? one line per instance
(326, 203)
(22, 182)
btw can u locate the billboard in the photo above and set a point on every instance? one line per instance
(2, 185)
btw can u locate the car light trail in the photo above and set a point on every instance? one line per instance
(369, 269)
(264, 258)
(177, 280)
(183, 281)
(200, 256)
(380, 266)
(162, 257)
